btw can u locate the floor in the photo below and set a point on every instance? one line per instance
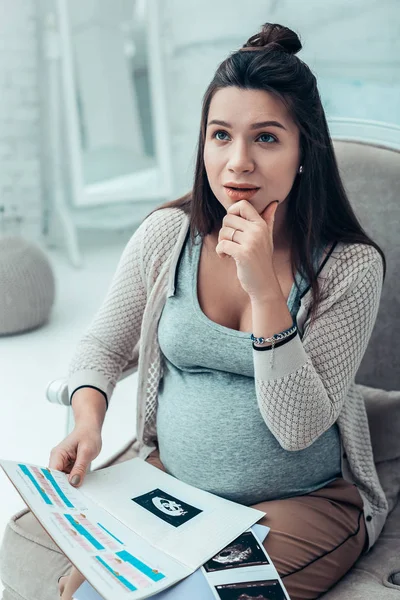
(30, 426)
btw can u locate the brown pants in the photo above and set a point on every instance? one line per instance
(314, 539)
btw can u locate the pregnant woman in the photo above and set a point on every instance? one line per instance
(250, 302)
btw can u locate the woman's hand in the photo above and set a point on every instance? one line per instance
(75, 453)
(252, 247)
(68, 584)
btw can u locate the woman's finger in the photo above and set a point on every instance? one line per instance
(268, 214)
(244, 209)
(60, 459)
(56, 462)
(229, 248)
(83, 460)
(235, 222)
(226, 233)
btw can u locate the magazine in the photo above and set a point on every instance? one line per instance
(131, 529)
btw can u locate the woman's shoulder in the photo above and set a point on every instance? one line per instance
(162, 229)
(158, 230)
(348, 263)
(164, 222)
(155, 238)
(353, 256)
(160, 235)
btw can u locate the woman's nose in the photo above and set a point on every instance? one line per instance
(240, 158)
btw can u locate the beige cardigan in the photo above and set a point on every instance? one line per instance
(310, 385)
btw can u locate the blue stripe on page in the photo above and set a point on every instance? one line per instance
(59, 491)
(109, 533)
(84, 532)
(135, 562)
(130, 587)
(27, 472)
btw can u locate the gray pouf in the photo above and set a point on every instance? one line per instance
(26, 286)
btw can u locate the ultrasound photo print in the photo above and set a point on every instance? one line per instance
(245, 551)
(252, 590)
(166, 507)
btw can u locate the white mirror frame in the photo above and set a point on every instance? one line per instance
(365, 131)
(152, 184)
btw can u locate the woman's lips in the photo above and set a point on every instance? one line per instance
(236, 194)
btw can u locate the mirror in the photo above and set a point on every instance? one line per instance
(112, 87)
(114, 100)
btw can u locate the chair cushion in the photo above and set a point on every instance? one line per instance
(383, 410)
(371, 176)
(389, 476)
(30, 562)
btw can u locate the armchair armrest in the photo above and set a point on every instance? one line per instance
(57, 390)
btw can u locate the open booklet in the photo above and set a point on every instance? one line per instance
(241, 571)
(131, 529)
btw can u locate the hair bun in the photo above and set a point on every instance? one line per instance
(273, 35)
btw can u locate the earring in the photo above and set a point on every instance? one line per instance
(301, 169)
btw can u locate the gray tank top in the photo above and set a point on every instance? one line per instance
(209, 427)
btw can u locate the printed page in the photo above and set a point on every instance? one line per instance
(183, 521)
(117, 562)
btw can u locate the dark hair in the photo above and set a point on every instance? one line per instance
(318, 212)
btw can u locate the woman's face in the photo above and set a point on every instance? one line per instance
(243, 148)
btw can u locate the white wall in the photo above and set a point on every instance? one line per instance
(20, 179)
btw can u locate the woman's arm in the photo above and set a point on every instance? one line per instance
(107, 345)
(301, 391)
(89, 407)
(302, 394)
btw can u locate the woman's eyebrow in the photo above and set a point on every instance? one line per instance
(253, 126)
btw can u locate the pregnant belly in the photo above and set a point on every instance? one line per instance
(235, 456)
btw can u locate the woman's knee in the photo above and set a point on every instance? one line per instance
(320, 574)
(314, 540)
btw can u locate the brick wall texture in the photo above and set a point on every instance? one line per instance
(20, 175)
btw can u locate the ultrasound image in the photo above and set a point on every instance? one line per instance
(245, 551)
(167, 507)
(253, 590)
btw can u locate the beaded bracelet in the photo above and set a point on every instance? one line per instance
(258, 341)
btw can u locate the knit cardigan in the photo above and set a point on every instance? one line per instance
(310, 385)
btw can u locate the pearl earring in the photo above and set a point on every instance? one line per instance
(301, 169)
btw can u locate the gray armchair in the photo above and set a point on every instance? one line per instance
(371, 174)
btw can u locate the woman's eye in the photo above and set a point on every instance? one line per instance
(219, 132)
(267, 135)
